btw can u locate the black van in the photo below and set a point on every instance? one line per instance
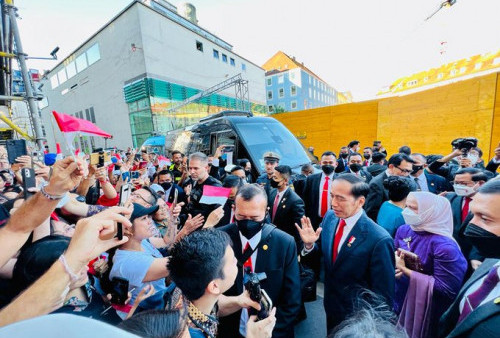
(251, 136)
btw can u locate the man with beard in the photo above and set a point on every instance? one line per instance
(476, 310)
(262, 248)
(176, 167)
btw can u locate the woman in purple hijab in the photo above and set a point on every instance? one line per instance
(429, 264)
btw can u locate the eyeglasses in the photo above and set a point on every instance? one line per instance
(142, 198)
(406, 171)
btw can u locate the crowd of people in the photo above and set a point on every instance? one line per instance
(406, 245)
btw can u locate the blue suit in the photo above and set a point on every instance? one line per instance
(437, 184)
(366, 263)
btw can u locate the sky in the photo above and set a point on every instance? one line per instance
(359, 46)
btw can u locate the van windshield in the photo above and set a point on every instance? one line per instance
(261, 137)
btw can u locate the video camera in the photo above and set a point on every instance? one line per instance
(464, 144)
(251, 281)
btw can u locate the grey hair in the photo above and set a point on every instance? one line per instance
(370, 319)
(249, 191)
(199, 156)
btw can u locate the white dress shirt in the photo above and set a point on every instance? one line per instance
(350, 222)
(422, 182)
(321, 184)
(492, 295)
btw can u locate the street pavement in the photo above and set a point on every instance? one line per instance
(315, 324)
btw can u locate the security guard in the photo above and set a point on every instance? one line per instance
(271, 161)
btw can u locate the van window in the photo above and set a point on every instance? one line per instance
(261, 137)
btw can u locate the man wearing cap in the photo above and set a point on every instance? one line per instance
(271, 161)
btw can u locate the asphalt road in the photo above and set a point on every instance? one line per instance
(314, 326)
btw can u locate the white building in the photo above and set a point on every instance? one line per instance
(143, 61)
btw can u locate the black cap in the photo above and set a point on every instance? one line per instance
(140, 211)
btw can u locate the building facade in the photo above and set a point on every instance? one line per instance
(145, 60)
(290, 86)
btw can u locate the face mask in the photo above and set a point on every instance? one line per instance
(327, 169)
(355, 167)
(249, 228)
(274, 184)
(166, 185)
(248, 172)
(487, 243)
(416, 169)
(344, 155)
(367, 156)
(411, 217)
(473, 158)
(463, 190)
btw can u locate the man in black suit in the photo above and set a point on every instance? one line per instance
(285, 206)
(342, 161)
(398, 165)
(234, 183)
(271, 161)
(358, 254)
(377, 167)
(300, 180)
(315, 195)
(166, 180)
(424, 180)
(354, 146)
(476, 310)
(355, 166)
(275, 255)
(367, 154)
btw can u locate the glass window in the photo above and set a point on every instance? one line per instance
(199, 46)
(281, 78)
(216, 54)
(270, 109)
(61, 75)
(92, 115)
(81, 62)
(224, 58)
(269, 94)
(293, 90)
(54, 82)
(269, 81)
(281, 92)
(232, 62)
(294, 104)
(243, 67)
(93, 54)
(71, 69)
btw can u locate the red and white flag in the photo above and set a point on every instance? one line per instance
(214, 195)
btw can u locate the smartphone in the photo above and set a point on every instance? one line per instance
(266, 305)
(135, 174)
(125, 191)
(412, 260)
(100, 159)
(29, 180)
(126, 176)
(119, 293)
(37, 156)
(137, 157)
(15, 148)
(143, 164)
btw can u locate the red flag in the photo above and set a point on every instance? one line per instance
(70, 124)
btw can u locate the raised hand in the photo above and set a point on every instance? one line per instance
(307, 233)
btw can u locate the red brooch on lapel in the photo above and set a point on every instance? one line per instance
(350, 241)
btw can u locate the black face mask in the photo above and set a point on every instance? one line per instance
(344, 155)
(367, 156)
(249, 228)
(248, 172)
(487, 243)
(327, 169)
(274, 184)
(166, 185)
(355, 167)
(416, 169)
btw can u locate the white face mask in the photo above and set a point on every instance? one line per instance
(411, 217)
(463, 190)
(473, 158)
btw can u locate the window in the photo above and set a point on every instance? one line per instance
(81, 62)
(310, 92)
(64, 91)
(426, 79)
(478, 66)
(462, 70)
(294, 104)
(293, 90)
(54, 82)
(232, 62)
(62, 76)
(292, 75)
(270, 109)
(93, 54)
(281, 92)
(71, 69)
(216, 54)
(199, 46)
(269, 94)
(224, 58)
(269, 81)
(281, 79)
(243, 67)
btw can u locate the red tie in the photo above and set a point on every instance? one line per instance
(324, 197)
(275, 205)
(465, 209)
(338, 236)
(248, 263)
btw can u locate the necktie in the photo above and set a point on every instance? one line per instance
(419, 188)
(473, 300)
(248, 263)
(465, 209)
(336, 240)
(232, 216)
(275, 205)
(324, 197)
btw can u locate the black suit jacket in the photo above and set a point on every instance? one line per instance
(376, 169)
(483, 322)
(377, 195)
(181, 195)
(278, 259)
(341, 165)
(310, 196)
(437, 184)
(367, 263)
(290, 210)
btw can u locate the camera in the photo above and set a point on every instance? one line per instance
(251, 281)
(464, 144)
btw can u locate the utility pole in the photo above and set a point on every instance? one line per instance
(30, 98)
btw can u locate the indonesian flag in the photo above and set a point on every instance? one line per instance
(71, 126)
(214, 195)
